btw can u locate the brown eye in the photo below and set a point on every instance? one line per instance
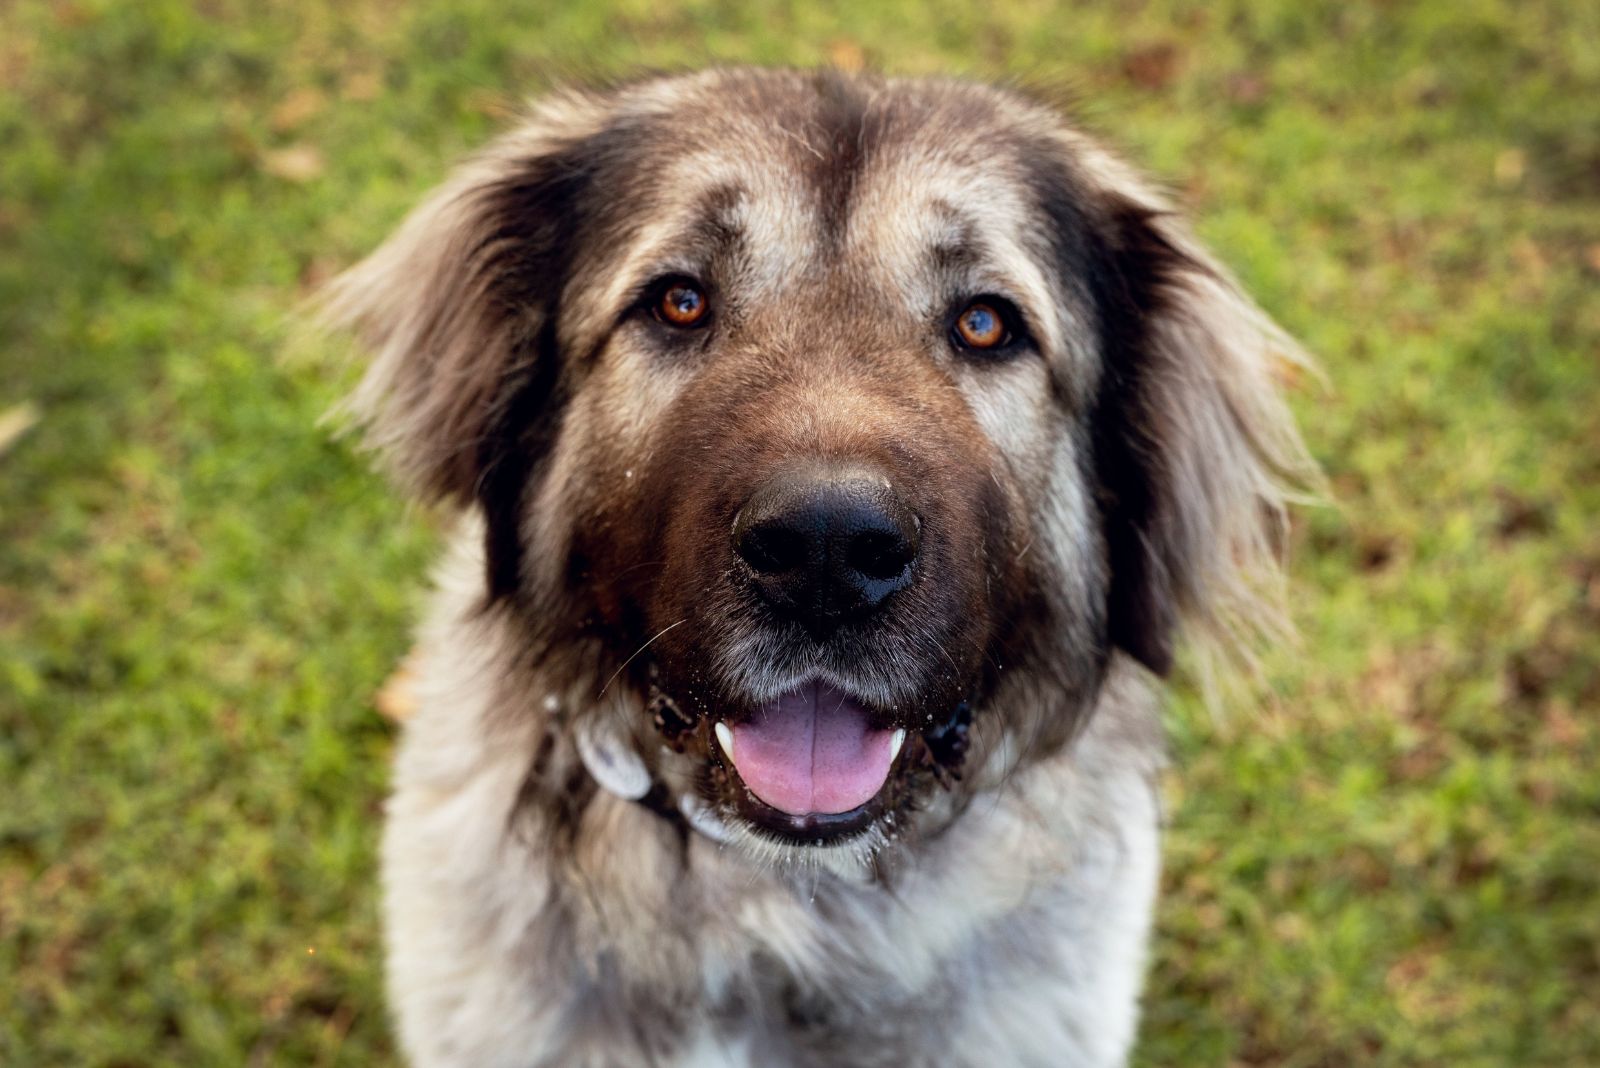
(682, 304)
(982, 326)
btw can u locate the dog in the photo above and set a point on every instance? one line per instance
(837, 461)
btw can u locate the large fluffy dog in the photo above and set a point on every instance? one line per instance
(838, 460)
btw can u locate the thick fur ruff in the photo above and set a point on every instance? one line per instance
(577, 871)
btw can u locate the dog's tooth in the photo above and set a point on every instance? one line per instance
(895, 744)
(725, 738)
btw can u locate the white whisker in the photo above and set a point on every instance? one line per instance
(635, 656)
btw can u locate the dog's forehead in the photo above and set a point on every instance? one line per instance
(888, 184)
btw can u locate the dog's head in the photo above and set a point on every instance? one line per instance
(845, 425)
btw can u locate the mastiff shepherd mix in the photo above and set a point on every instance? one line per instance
(837, 460)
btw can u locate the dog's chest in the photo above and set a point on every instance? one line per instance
(819, 972)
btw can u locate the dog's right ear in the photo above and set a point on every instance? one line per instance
(457, 308)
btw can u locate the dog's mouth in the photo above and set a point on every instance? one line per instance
(814, 766)
(812, 756)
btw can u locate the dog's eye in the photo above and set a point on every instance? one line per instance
(986, 323)
(681, 303)
(981, 327)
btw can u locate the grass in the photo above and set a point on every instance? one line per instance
(1396, 864)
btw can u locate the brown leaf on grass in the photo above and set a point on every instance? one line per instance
(1530, 260)
(16, 59)
(15, 422)
(1392, 682)
(1591, 256)
(316, 271)
(1560, 725)
(361, 85)
(1289, 373)
(1542, 790)
(1246, 89)
(71, 16)
(492, 104)
(1152, 67)
(297, 163)
(1407, 974)
(296, 109)
(1366, 867)
(847, 55)
(397, 699)
(1509, 167)
(1291, 928)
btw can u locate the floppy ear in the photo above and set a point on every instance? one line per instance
(456, 307)
(1196, 452)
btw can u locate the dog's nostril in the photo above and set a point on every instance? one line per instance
(879, 554)
(824, 546)
(772, 550)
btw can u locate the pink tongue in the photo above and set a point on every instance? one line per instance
(812, 750)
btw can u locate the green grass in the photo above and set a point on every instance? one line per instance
(1397, 864)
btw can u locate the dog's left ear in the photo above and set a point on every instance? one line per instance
(1196, 453)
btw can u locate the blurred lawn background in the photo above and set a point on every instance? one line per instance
(1397, 864)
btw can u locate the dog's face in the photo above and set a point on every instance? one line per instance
(831, 420)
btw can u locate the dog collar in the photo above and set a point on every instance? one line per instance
(619, 771)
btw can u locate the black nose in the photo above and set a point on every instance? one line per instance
(826, 547)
